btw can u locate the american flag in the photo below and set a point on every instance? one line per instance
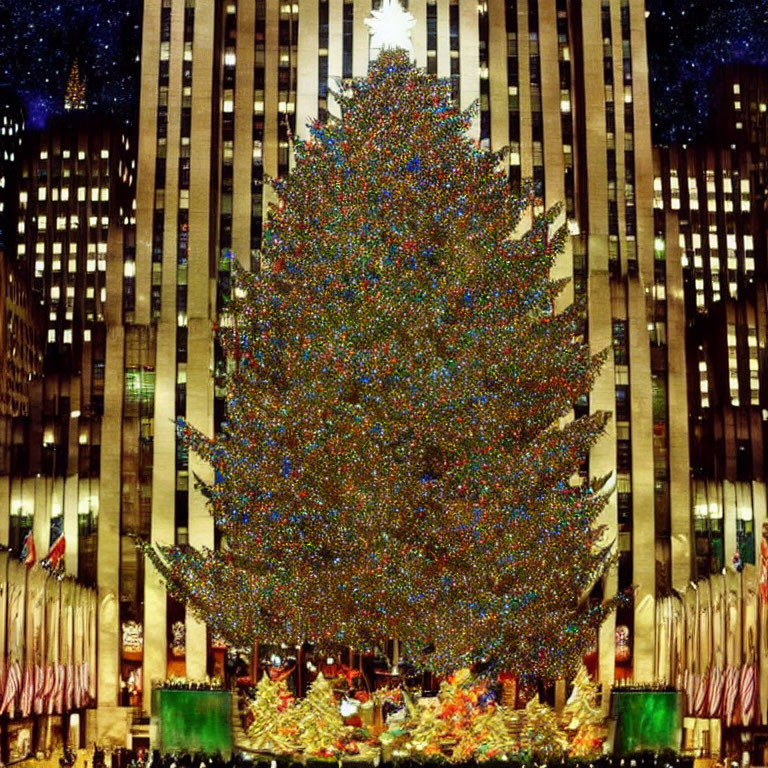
(50, 682)
(731, 694)
(12, 685)
(58, 690)
(700, 697)
(78, 685)
(747, 692)
(70, 689)
(27, 690)
(86, 681)
(39, 697)
(716, 688)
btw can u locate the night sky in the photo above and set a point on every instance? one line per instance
(687, 39)
(39, 39)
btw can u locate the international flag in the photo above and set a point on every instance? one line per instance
(50, 682)
(27, 691)
(55, 557)
(58, 690)
(69, 695)
(38, 702)
(12, 686)
(28, 554)
(78, 686)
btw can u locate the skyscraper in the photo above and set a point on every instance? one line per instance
(74, 231)
(224, 84)
(710, 219)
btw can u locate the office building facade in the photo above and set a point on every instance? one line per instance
(225, 84)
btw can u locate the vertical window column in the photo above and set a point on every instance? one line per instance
(513, 94)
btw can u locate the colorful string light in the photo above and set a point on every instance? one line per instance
(394, 462)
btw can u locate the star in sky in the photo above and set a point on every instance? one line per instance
(391, 27)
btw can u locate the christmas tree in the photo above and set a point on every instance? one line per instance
(274, 727)
(321, 727)
(541, 736)
(74, 96)
(398, 450)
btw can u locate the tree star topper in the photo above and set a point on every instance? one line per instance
(391, 27)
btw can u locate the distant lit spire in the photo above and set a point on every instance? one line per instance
(74, 96)
(390, 27)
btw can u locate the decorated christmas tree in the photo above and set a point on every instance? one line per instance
(74, 96)
(274, 726)
(320, 725)
(541, 736)
(398, 452)
(582, 707)
(583, 717)
(487, 737)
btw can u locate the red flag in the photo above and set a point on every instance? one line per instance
(50, 681)
(12, 685)
(28, 554)
(38, 701)
(56, 553)
(27, 691)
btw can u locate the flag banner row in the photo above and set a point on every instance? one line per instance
(47, 639)
(708, 644)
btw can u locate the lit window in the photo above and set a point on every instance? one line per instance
(51, 335)
(57, 248)
(41, 193)
(165, 51)
(129, 269)
(21, 227)
(87, 334)
(42, 222)
(55, 292)
(104, 194)
(101, 248)
(65, 154)
(23, 197)
(81, 155)
(94, 194)
(64, 194)
(67, 335)
(43, 154)
(61, 222)
(229, 58)
(104, 154)
(72, 265)
(73, 221)
(90, 266)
